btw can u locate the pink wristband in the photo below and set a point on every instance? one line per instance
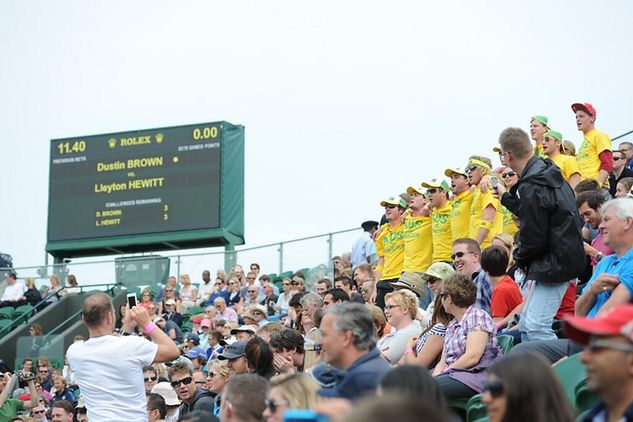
(408, 351)
(149, 328)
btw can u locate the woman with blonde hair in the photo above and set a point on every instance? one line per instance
(401, 308)
(218, 375)
(52, 293)
(290, 391)
(188, 293)
(32, 296)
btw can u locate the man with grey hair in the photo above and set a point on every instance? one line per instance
(311, 303)
(550, 250)
(244, 399)
(348, 342)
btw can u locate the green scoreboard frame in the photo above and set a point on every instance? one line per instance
(146, 190)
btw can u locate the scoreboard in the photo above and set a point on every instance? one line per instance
(146, 190)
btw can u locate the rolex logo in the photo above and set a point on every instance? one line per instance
(112, 142)
(159, 138)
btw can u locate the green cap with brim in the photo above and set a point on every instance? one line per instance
(393, 200)
(542, 119)
(437, 184)
(554, 134)
(456, 170)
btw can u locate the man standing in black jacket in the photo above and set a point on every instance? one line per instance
(550, 250)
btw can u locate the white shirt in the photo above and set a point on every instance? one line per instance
(109, 372)
(14, 291)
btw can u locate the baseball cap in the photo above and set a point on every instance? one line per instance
(440, 270)
(393, 200)
(205, 323)
(193, 337)
(618, 321)
(166, 392)
(542, 119)
(586, 107)
(170, 302)
(454, 170)
(370, 224)
(411, 281)
(437, 184)
(234, 351)
(157, 318)
(196, 352)
(412, 189)
(243, 329)
(196, 319)
(554, 134)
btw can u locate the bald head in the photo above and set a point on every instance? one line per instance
(96, 309)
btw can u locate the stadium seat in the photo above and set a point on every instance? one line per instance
(585, 399)
(23, 313)
(272, 276)
(136, 290)
(6, 312)
(459, 406)
(475, 409)
(194, 310)
(505, 343)
(571, 372)
(305, 271)
(4, 323)
(286, 274)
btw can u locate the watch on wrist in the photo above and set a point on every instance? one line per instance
(599, 256)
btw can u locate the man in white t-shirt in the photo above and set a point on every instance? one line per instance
(14, 292)
(109, 369)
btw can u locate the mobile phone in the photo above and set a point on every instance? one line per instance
(495, 183)
(131, 300)
(304, 415)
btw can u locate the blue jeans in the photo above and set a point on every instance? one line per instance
(539, 310)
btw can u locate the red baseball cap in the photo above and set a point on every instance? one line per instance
(586, 107)
(614, 323)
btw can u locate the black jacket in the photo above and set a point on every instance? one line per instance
(201, 400)
(550, 241)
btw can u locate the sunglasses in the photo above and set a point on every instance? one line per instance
(495, 388)
(432, 280)
(286, 284)
(470, 168)
(459, 255)
(38, 412)
(272, 404)
(186, 381)
(252, 291)
(154, 378)
(390, 307)
(390, 207)
(617, 158)
(508, 174)
(432, 191)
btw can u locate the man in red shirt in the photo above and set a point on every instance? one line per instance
(506, 298)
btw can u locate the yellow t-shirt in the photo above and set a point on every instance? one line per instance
(418, 244)
(538, 151)
(460, 215)
(509, 226)
(594, 143)
(568, 165)
(390, 246)
(480, 202)
(442, 235)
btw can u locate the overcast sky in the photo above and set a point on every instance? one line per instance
(344, 102)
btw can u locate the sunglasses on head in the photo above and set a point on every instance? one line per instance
(495, 388)
(186, 381)
(508, 174)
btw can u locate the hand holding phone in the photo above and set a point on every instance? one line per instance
(131, 300)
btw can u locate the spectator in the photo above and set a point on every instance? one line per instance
(364, 248)
(218, 375)
(589, 204)
(466, 255)
(594, 156)
(608, 356)
(413, 382)
(550, 243)
(44, 376)
(569, 148)
(620, 171)
(215, 348)
(36, 333)
(51, 293)
(235, 300)
(171, 314)
(171, 400)
(538, 128)
(72, 286)
(524, 388)
(390, 249)
(156, 408)
(92, 360)
(14, 291)
(366, 289)
(225, 313)
(624, 187)
(627, 150)
(470, 344)
(243, 333)
(38, 413)
(284, 297)
(400, 309)
(290, 391)
(345, 283)
(288, 350)
(270, 300)
(192, 396)
(244, 399)
(323, 285)
(311, 303)
(257, 313)
(384, 408)
(254, 267)
(259, 357)
(150, 378)
(220, 289)
(506, 297)
(146, 299)
(170, 328)
(169, 293)
(298, 283)
(207, 288)
(552, 147)
(485, 220)
(62, 392)
(31, 296)
(188, 293)
(335, 296)
(348, 342)
(9, 407)
(235, 355)
(437, 192)
(461, 203)
(62, 411)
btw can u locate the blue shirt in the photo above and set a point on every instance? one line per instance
(484, 290)
(361, 378)
(363, 250)
(622, 267)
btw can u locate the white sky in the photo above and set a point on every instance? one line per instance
(344, 102)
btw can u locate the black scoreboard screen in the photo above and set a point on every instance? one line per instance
(153, 181)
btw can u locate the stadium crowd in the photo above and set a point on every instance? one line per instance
(459, 290)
